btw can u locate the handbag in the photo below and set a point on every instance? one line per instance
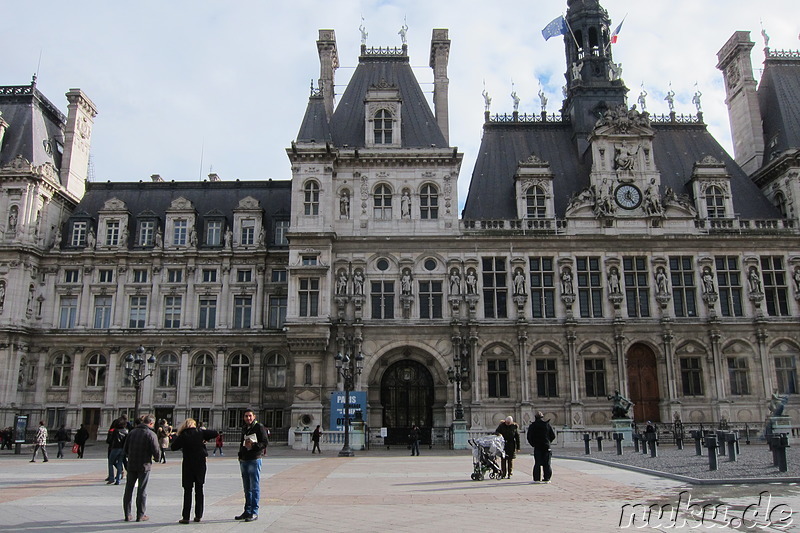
(76, 448)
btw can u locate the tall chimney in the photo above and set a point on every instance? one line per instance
(328, 63)
(742, 100)
(77, 142)
(440, 54)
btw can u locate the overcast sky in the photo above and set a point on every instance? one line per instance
(188, 87)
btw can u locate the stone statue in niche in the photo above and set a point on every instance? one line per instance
(662, 284)
(519, 282)
(405, 204)
(754, 280)
(91, 240)
(613, 281)
(455, 282)
(405, 282)
(341, 282)
(358, 282)
(472, 281)
(344, 204)
(566, 281)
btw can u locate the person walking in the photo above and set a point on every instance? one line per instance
(253, 443)
(191, 441)
(141, 448)
(413, 438)
(62, 436)
(540, 435)
(40, 442)
(315, 439)
(116, 441)
(81, 436)
(164, 432)
(509, 430)
(218, 442)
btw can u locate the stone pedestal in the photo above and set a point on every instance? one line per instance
(781, 424)
(460, 435)
(624, 426)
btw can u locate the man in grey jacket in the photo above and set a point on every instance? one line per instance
(141, 447)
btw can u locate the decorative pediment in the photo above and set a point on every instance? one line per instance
(181, 204)
(20, 163)
(547, 349)
(248, 202)
(737, 348)
(114, 204)
(691, 349)
(595, 349)
(533, 161)
(710, 160)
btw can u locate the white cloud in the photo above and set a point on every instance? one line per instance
(227, 83)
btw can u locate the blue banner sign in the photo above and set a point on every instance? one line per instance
(358, 408)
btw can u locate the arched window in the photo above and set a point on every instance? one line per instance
(311, 198)
(96, 367)
(307, 374)
(429, 202)
(203, 370)
(240, 370)
(383, 127)
(382, 200)
(535, 202)
(168, 370)
(715, 202)
(275, 372)
(780, 202)
(62, 365)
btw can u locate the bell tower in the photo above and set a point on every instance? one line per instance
(594, 81)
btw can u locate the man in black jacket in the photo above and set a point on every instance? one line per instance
(141, 447)
(254, 442)
(540, 435)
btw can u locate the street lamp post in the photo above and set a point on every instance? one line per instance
(348, 367)
(138, 370)
(459, 372)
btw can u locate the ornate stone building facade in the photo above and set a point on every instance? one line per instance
(599, 249)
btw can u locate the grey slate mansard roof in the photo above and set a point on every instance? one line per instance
(419, 127)
(677, 148)
(209, 199)
(34, 124)
(779, 101)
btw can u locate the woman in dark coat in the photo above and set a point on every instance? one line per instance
(510, 432)
(80, 439)
(191, 441)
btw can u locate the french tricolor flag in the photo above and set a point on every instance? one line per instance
(615, 35)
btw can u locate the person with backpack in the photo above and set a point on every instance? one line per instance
(540, 435)
(116, 442)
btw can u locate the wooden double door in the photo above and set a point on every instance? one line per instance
(643, 387)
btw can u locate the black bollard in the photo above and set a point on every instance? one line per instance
(746, 434)
(586, 439)
(696, 435)
(773, 441)
(737, 438)
(782, 444)
(618, 437)
(721, 441)
(599, 443)
(711, 444)
(730, 439)
(636, 438)
(645, 440)
(653, 444)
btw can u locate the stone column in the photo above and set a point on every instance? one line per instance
(522, 346)
(219, 377)
(184, 378)
(112, 381)
(763, 355)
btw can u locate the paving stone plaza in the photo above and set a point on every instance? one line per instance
(382, 490)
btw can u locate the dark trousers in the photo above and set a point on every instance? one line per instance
(415, 447)
(61, 445)
(541, 462)
(141, 477)
(506, 465)
(316, 447)
(198, 500)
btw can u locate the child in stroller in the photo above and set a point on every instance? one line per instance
(484, 452)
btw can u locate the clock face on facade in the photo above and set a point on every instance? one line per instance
(628, 196)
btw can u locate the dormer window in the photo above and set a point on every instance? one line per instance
(383, 127)
(147, 229)
(311, 199)
(779, 200)
(112, 232)
(78, 234)
(715, 202)
(535, 202)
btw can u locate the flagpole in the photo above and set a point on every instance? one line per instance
(570, 32)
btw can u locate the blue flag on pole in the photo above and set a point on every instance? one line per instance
(557, 27)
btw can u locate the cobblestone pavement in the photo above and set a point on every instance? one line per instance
(382, 490)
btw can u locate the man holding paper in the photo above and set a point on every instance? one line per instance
(253, 443)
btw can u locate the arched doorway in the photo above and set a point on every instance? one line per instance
(643, 383)
(407, 399)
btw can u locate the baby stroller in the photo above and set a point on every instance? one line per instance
(484, 452)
